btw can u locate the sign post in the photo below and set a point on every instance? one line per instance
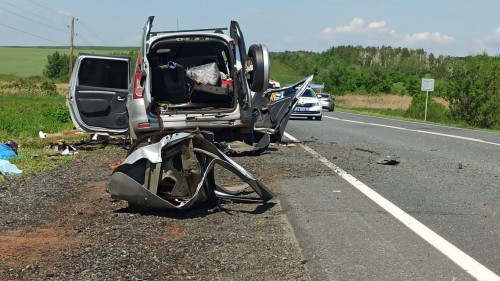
(428, 86)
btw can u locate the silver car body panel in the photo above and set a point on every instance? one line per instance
(152, 175)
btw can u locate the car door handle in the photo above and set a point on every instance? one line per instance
(121, 98)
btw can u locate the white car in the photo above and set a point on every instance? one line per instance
(308, 106)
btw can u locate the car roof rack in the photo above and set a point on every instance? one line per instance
(215, 30)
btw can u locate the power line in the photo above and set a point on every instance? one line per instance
(45, 7)
(31, 13)
(34, 35)
(40, 23)
(88, 29)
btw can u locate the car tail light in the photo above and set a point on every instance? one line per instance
(143, 126)
(137, 85)
(138, 89)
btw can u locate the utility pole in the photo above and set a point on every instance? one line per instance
(72, 35)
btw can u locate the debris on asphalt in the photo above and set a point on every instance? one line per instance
(388, 160)
(366, 150)
(238, 148)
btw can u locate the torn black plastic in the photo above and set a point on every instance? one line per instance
(272, 116)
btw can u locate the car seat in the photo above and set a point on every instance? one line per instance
(170, 83)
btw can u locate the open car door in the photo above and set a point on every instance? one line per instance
(98, 92)
(240, 54)
(273, 116)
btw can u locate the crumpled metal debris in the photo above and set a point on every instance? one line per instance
(388, 160)
(241, 148)
(178, 172)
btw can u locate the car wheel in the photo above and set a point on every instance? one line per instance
(319, 117)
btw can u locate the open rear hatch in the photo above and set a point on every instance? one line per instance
(191, 74)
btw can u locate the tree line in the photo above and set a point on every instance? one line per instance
(470, 84)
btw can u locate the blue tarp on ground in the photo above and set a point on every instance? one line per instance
(7, 152)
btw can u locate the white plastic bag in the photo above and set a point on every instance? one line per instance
(204, 74)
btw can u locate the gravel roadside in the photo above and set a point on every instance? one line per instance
(62, 225)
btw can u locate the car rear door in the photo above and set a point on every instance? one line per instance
(241, 58)
(98, 92)
(142, 68)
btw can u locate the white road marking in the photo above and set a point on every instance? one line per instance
(418, 131)
(467, 263)
(421, 123)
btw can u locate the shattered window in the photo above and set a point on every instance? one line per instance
(103, 73)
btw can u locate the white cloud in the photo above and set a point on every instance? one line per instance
(357, 25)
(495, 37)
(428, 37)
(379, 33)
(376, 25)
(491, 43)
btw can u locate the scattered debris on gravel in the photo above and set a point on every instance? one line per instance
(62, 225)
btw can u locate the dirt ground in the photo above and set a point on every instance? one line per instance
(62, 225)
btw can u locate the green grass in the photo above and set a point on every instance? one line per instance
(22, 117)
(25, 116)
(31, 61)
(283, 73)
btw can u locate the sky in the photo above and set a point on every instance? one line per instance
(441, 27)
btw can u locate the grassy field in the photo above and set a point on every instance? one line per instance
(21, 118)
(30, 61)
(394, 102)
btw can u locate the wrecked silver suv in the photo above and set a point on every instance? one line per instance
(182, 80)
(193, 97)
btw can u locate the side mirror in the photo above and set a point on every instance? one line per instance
(258, 75)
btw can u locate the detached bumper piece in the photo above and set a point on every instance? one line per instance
(180, 171)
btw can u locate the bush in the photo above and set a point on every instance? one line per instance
(49, 88)
(473, 91)
(398, 89)
(57, 66)
(61, 115)
(436, 112)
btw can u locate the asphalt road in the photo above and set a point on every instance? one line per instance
(433, 216)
